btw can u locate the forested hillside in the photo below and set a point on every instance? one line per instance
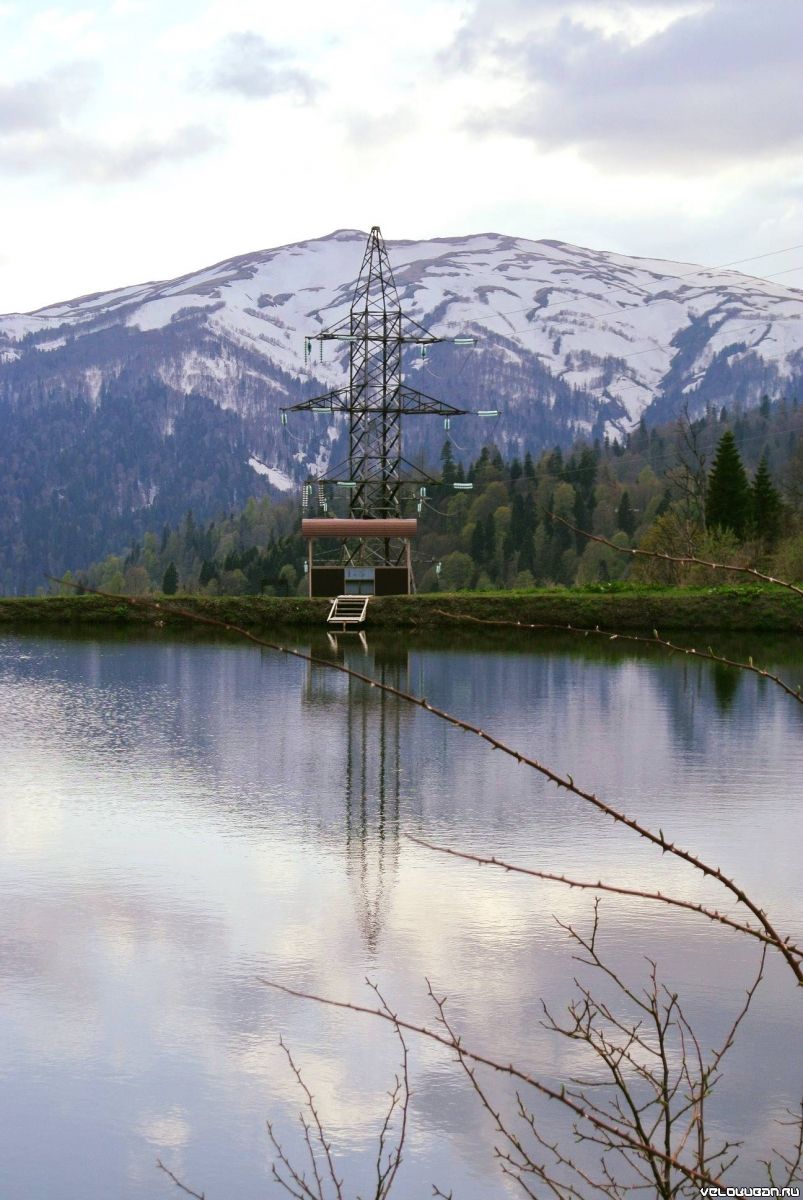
(87, 478)
(121, 410)
(727, 485)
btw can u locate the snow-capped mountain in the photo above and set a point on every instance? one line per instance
(194, 370)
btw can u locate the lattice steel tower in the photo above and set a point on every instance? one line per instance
(376, 398)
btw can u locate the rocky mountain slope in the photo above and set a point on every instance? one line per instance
(124, 408)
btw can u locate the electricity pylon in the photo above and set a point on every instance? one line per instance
(376, 398)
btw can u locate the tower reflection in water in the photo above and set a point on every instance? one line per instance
(370, 721)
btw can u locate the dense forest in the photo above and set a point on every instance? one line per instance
(728, 485)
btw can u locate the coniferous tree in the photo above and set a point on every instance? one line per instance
(765, 504)
(554, 463)
(447, 464)
(664, 503)
(490, 537)
(170, 580)
(641, 439)
(478, 543)
(625, 517)
(517, 530)
(727, 503)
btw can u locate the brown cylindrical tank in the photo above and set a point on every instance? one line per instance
(377, 527)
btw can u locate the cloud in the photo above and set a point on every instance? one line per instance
(38, 135)
(41, 104)
(491, 23)
(715, 86)
(88, 160)
(249, 66)
(371, 131)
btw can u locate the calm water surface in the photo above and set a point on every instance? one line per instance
(179, 819)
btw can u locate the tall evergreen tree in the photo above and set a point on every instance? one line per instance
(208, 572)
(625, 517)
(447, 464)
(170, 580)
(727, 502)
(490, 537)
(478, 543)
(641, 438)
(765, 504)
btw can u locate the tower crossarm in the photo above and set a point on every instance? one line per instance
(404, 402)
(376, 398)
(420, 339)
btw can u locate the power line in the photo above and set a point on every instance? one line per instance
(613, 311)
(621, 287)
(578, 470)
(648, 303)
(768, 320)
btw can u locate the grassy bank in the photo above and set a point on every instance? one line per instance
(757, 608)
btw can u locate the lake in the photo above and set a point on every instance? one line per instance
(180, 819)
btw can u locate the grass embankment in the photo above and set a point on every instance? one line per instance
(744, 607)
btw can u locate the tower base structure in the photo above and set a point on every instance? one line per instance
(374, 556)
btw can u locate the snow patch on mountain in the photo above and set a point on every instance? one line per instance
(603, 327)
(94, 382)
(274, 476)
(157, 313)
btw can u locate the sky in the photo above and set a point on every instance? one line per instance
(144, 139)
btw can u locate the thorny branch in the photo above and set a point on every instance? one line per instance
(628, 1126)
(181, 1186)
(794, 1161)
(655, 640)
(657, 1078)
(293, 1179)
(782, 944)
(485, 860)
(313, 1136)
(682, 559)
(318, 1147)
(561, 1095)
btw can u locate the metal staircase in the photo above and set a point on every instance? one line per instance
(348, 610)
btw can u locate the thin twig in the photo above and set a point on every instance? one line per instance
(794, 1161)
(561, 781)
(589, 1019)
(485, 860)
(181, 1186)
(655, 640)
(325, 1146)
(387, 1175)
(681, 559)
(562, 1096)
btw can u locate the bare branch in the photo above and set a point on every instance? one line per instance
(598, 886)
(670, 1105)
(181, 1186)
(399, 1098)
(794, 1160)
(683, 560)
(655, 640)
(606, 1127)
(319, 1131)
(561, 781)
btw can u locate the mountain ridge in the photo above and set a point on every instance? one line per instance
(571, 341)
